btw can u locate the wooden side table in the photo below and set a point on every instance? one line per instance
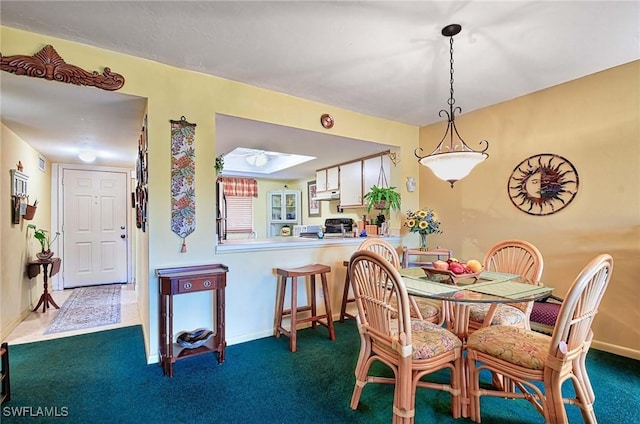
(5, 383)
(181, 280)
(33, 269)
(438, 253)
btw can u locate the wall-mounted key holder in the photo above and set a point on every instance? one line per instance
(19, 191)
(19, 184)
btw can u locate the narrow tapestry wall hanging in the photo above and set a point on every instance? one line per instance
(141, 198)
(183, 182)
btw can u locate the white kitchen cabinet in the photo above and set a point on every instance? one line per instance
(351, 184)
(371, 172)
(321, 180)
(357, 178)
(333, 178)
(283, 209)
(328, 179)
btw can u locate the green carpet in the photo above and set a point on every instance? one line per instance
(103, 378)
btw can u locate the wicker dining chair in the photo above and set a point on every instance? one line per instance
(424, 309)
(512, 257)
(412, 348)
(538, 364)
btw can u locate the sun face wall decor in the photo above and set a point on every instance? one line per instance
(543, 184)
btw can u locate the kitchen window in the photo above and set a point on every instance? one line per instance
(239, 214)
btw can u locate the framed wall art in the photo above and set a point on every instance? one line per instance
(543, 184)
(314, 205)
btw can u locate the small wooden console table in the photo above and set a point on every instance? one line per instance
(33, 269)
(181, 280)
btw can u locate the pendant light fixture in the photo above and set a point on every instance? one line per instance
(452, 159)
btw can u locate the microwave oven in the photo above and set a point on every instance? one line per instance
(298, 229)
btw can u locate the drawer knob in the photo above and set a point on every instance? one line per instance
(207, 283)
(187, 285)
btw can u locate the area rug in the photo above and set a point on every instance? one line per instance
(88, 307)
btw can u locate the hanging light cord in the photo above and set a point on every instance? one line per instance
(451, 115)
(452, 100)
(451, 118)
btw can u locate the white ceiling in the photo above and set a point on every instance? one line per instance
(385, 59)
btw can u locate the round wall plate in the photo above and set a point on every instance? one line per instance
(543, 184)
(326, 120)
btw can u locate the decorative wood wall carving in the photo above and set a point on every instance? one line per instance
(48, 64)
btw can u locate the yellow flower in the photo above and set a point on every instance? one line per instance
(423, 221)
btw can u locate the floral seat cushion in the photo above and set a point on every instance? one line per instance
(429, 340)
(428, 309)
(504, 315)
(516, 345)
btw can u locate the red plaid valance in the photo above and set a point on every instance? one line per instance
(240, 187)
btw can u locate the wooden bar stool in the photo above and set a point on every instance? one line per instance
(345, 296)
(304, 271)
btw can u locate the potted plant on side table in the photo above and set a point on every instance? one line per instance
(44, 240)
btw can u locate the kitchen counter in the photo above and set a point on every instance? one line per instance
(283, 243)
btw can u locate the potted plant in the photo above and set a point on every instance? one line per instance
(219, 164)
(44, 240)
(382, 198)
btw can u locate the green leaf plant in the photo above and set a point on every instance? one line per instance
(382, 198)
(43, 237)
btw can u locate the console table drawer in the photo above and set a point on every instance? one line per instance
(188, 285)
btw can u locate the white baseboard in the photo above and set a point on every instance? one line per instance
(4, 332)
(615, 349)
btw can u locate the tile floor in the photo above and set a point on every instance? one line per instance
(32, 328)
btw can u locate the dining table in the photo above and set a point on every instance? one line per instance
(458, 294)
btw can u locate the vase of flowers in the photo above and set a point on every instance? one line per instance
(423, 222)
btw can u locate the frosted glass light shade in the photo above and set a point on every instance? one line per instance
(453, 166)
(87, 156)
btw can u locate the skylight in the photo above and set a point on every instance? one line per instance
(254, 161)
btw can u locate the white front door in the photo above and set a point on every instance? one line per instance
(95, 227)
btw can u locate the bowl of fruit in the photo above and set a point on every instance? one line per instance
(454, 271)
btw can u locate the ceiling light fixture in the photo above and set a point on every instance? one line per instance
(453, 161)
(87, 156)
(258, 160)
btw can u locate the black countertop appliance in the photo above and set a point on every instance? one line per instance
(338, 226)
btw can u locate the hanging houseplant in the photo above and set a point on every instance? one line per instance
(382, 197)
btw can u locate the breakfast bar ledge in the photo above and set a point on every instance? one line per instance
(285, 243)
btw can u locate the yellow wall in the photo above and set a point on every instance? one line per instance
(594, 122)
(17, 292)
(172, 93)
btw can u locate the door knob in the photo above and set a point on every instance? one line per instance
(122, 236)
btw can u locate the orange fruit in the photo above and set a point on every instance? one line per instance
(474, 265)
